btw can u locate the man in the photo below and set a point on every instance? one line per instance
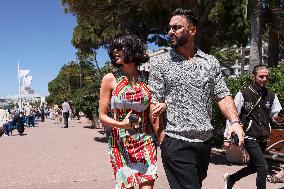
(16, 120)
(29, 114)
(186, 79)
(260, 105)
(65, 111)
(21, 125)
(42, 112)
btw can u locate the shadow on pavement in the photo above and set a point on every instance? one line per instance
(89, 127)
(273, 167)
(102, 132)
(101, 139)
(218, 159)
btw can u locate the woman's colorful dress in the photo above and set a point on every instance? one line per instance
(133, 153)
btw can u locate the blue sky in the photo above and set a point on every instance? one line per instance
(38, 34)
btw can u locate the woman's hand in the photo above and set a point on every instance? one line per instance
(159, 109)
(126, 124)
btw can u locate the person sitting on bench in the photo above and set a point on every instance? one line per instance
(15, 123)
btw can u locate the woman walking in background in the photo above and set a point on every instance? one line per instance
(132, 148)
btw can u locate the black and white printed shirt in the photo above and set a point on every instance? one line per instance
(188, 89)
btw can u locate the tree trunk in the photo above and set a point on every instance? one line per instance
(273, 49)
(97, 65)
(81, 73)
(203, 38)
(243, 60)
(255, 57)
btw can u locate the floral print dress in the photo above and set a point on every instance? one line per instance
(133, 153)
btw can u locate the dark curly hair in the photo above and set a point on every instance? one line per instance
(188, 14)
(133, 49)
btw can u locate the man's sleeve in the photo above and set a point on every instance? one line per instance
(220, 88)
(239, 102)
(276, 106)
(156, 81)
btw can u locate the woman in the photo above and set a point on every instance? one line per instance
(132, 150)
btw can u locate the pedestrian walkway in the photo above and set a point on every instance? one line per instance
(51, 157)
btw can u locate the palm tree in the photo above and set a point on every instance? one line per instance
(275, 22)
(255, 57)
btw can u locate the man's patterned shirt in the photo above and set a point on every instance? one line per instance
(188, 89)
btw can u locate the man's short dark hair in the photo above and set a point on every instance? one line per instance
(133, 49)
(258, 67)
(188, 14)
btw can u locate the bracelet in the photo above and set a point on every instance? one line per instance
(236, 121)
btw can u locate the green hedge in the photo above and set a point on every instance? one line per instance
(276, 83)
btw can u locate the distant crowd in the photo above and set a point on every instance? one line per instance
(27, 116)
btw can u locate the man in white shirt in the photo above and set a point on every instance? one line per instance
(29, 114)
(257, 106)
(65, 111)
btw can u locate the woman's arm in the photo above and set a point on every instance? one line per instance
(107, 85)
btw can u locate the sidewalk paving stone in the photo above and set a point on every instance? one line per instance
(51, 157)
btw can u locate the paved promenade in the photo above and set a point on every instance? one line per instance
(51, 157)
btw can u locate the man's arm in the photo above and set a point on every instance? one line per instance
(275, 109)
(226, 104)
(157, 106)
(157, 124)
(229, 110)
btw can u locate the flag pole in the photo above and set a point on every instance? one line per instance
(19, 79)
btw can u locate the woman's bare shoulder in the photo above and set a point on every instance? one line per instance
(109, 81)
(108, 78)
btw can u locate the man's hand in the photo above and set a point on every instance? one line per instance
(278, 118)
(156, 119)
(160, 137)
(238, 130)
(227, 145)
(229, 110)
(158, 109)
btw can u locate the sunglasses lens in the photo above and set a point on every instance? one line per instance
(174, 27)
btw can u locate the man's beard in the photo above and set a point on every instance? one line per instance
(177, 42)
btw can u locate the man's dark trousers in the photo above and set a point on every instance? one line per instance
(257, 163)
(185, 163)
(65, 117)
